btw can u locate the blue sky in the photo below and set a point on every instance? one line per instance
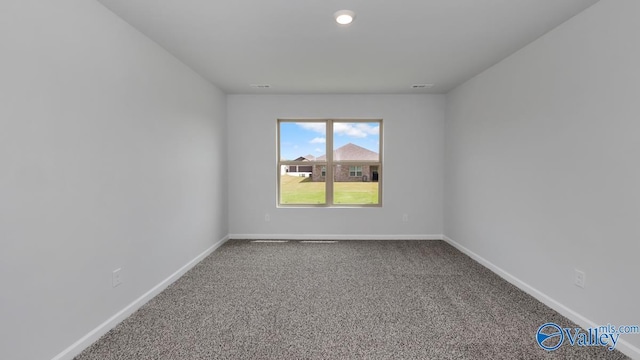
(299, 139)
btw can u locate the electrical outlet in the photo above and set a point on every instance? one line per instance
(116, 278)
(581, 278)
(405, 217)
(267, 217)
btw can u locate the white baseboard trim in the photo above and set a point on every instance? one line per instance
(334, 237)
(622, 345)
(85, 341)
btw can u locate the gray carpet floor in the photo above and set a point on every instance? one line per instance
(343, 300)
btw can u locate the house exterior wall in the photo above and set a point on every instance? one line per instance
(317, 173)
(341, 173)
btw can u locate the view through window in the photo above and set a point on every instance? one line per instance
(329, 162)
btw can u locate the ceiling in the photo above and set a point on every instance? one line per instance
(296, 47)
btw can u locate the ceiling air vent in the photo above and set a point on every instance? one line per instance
(260, 86)
(421, 86)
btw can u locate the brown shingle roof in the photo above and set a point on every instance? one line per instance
(351, 152)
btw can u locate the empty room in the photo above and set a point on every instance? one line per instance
(336, 179)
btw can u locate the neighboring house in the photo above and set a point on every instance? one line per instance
(348, 152)
(300, 170)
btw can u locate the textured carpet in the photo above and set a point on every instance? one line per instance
(349, 299)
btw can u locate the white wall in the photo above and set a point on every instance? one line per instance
(543, 168)
(412, 179)
(112, 155)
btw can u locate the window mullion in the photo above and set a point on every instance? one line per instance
(329, 151)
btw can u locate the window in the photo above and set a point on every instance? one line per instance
(355, 171)
(329, 162)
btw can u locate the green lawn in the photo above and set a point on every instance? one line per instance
(299, 190)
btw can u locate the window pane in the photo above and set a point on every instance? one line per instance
(302, 188)
(303, 141)
(303, 164)
(356, 141)
(360, 189)
(355, 171)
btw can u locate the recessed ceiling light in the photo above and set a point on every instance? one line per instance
(421, 86)
(344, 17)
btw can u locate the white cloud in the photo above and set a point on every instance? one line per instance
(368, 129)
(358, 130)
(318, 150)
(318, 140)
(317, 127)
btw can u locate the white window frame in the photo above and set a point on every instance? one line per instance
(329, 162)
